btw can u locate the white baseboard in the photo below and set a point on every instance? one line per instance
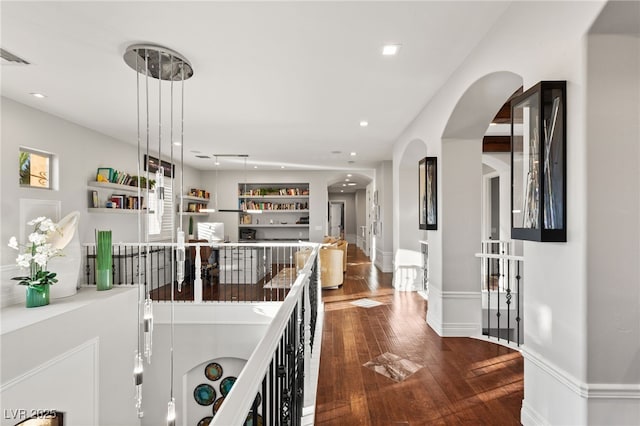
(585, 390)
(455, 304)
(555, 396)
(530, 417)
(384, 260)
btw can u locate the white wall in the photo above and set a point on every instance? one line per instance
(74, 356)
(80, 152)
(361, 217)
(384, 240)
(613, 215)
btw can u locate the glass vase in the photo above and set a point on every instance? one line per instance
(37, 296)
(104, 261)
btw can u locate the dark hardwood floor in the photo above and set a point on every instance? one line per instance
(459, 381)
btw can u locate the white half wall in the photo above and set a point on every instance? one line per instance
(74, 355)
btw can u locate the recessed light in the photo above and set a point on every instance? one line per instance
(344, 184)
(255, 167)
(349, 175)
(38, 95)
(352, 184)
(346, 180)
(282, 167)
(353, 154)
(177, 143)
(364, 123)
(342, 190)
(390, 49)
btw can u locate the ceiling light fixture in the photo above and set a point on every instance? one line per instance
(349, 175)
(390, 49)
(347, 180)
(177, 143)
(37, 95)
(353, 154)
(164, 65)
(282, 167)
(352, 184)
(364, 123)
(344, 184)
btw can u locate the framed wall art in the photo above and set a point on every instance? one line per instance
(538, 163)
(428, 193)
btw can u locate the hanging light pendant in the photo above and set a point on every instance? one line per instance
(163, 64)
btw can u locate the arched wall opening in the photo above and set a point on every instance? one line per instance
(455, 304)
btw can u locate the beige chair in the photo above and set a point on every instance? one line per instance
(301, 258)
(342, 245)
(331, 273)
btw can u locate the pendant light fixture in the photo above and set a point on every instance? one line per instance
(163, 64)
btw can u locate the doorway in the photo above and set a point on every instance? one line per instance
(336, 219)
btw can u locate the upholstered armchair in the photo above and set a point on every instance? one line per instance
(331, 265)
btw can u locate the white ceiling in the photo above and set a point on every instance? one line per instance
(286, 83)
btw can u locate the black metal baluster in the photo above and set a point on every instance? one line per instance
(518, 300)
(87, 267)
(498, 314)
(488, 297)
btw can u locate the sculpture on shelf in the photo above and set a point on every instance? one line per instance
(68, 266)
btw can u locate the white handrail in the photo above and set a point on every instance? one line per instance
(499, 256)
(238, 402)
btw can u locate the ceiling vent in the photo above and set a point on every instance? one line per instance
(202, 156)
(9, 58)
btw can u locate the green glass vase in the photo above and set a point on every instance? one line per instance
(104, 261)
(37, 296)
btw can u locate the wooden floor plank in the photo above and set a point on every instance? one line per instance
(461, 381)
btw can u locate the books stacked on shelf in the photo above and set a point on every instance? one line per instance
(107, 174)
(127, 202)
(257, 205)
(200, 193)
(195, 207)
(303, 220)
(260, 192)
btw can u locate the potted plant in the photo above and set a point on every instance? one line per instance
(35, 256)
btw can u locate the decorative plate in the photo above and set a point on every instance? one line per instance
(217, 404)
(213, 371)
(227, 384)
(249, 421)
(204, 394)
(205, 421)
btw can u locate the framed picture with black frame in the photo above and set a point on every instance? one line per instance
(152, 163)
(428, 193)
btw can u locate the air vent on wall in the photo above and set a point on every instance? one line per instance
(9, 58)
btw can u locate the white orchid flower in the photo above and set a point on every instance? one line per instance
(41, 259)
(37, 238)
(36, 220)
(13, 243)
(47, 226)
(24, 260)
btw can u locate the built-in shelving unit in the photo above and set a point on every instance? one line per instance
(198, 202)
(101, 193)
(273, 211)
